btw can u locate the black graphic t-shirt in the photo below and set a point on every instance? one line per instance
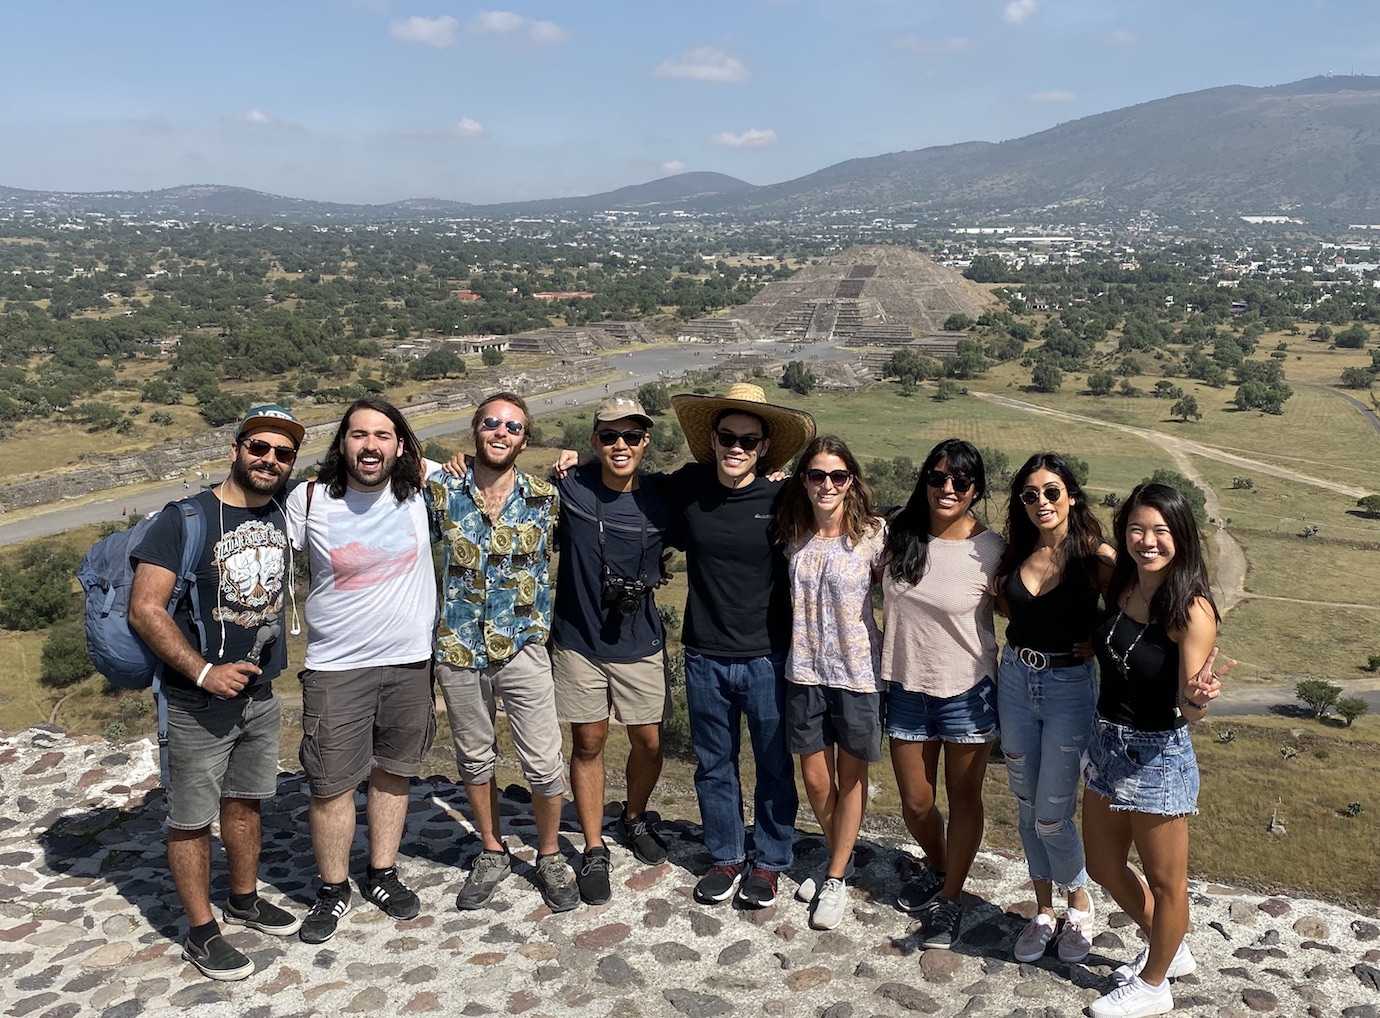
(240, 581)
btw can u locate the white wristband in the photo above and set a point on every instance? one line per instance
(202, 677)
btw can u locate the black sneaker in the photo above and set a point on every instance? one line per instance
(641, 837)
(217, 959)
(389, 893)
(488, 870)
(593, 877)
(759, 888)
(263, 916)
(939, 922)
(917, 894)
(557, 883)
(718, 884)
(325, 914)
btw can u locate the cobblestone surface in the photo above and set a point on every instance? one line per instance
(89, 925)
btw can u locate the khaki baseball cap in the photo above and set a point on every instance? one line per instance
(615, 408)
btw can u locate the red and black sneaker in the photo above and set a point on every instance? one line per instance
(759, 889)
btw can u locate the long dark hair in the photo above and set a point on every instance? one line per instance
(908, 536)
(1187, 577)
(1084, 535)
(795, 519)
(406, 478)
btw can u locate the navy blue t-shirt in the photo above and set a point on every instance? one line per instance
(635, 525)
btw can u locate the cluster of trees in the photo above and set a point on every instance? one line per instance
(37, 592)
(1322, 698)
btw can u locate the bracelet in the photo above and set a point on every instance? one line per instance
(202, 677)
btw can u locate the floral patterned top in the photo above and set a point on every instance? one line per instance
(497, 585)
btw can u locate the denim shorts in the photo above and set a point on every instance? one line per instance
(219, 749)
(969, 717)
(1143, 772)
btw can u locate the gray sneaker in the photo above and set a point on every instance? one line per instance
(557, 883)
(489, 870)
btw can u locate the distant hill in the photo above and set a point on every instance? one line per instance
(1312, 145)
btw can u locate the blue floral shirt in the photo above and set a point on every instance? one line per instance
(497, 585)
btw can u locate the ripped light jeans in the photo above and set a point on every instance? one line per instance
(1046, 725)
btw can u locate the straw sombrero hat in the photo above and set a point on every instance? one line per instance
(789, 430)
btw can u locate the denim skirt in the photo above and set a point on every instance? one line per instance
(1143, 772)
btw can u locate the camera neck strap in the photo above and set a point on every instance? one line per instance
(603, 549)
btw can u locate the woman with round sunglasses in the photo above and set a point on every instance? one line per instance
(1048, 583)
(939, 663)
(1155, 649)
(833, 691)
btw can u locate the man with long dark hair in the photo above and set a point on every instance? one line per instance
(367, 702)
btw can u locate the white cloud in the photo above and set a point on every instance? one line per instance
(1053, 95)
(703, 63)
(543, 33)
(922, 45)
(1019, 10)
(1122, 37)
(672, 166)
(468, 127)
(753, 137)
(437, 32)
(256, 116)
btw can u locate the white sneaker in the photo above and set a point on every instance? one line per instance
(1074, 942)
(829, 906)
(810, 886)
(1031, 944)
(1182, 964)
(1134, 1000)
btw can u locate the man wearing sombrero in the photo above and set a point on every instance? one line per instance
(737, 630)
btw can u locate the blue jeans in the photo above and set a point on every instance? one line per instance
(720, 690)
(1046, 725)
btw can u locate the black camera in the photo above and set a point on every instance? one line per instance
(622, 595)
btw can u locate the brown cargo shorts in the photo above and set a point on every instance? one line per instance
(357, 719)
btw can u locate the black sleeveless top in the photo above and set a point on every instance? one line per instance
(1055, 620)
(1145, 694)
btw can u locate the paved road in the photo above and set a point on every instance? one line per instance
(1243, 700)
(636, 367)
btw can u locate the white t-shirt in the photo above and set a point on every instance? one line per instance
(373, 588)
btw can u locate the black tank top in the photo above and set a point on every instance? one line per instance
(1055, 620)
(1144, 694)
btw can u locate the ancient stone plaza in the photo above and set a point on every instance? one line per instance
(89, 926)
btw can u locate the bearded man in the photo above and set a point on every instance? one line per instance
(367, 701)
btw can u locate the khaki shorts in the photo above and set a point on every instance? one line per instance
(523, 683)
(630, 692)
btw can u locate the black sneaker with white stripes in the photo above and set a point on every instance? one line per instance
(388, 892)
(325, 914)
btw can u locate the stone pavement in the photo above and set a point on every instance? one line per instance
(89, 926)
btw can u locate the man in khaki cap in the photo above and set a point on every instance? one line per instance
(607, 639)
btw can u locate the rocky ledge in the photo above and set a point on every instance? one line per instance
(89, 926)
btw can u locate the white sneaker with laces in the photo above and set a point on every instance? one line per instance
(1074, 942)
(1182, 964)
(830, 905)
(1031, 944)
(810, 886)
(1135, 999)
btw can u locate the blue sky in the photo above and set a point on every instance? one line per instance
(376, 100)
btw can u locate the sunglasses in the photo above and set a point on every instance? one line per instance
(633, 436)
(728, 440)
(493, 424)
(936, 479)
(839, 477)
(258, 448)
(1052, 493)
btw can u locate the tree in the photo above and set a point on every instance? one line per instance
(1370, 503)
(798, 378)
(491, 356)
(909, 366)
(1357, 378)
(1186, 409)
(1197, 500)
(441, 362)
(1166, 390)
(575, 435)
(946, 390)
(655, 397)
(64, 658)
(1046, 377)
(36, 587)
(220, 407)
(1353, 338)
(1100, 383)
(997, 465)
(1319, 696)
(1349, 708)
(957, 322)
(99, 416)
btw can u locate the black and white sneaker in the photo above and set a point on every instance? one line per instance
(263, 916)
(217, 959)
(919, 892)
(939, 923)
(388, 892)
(325, 914)
(718, 884)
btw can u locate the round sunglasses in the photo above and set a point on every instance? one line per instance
(1051, 492)
(961, 482)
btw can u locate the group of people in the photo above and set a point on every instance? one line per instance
(785, 575)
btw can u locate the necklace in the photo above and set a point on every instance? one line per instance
(1123, 660)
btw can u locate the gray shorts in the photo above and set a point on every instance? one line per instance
(360, 718)
(821, 716)
(524, 684)
(219, 749)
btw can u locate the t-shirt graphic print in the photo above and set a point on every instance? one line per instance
(251, 559)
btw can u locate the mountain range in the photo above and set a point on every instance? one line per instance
(1311, 145)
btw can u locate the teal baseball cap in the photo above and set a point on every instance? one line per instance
(271, 415)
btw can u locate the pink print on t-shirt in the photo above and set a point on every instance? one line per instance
(358, 566)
